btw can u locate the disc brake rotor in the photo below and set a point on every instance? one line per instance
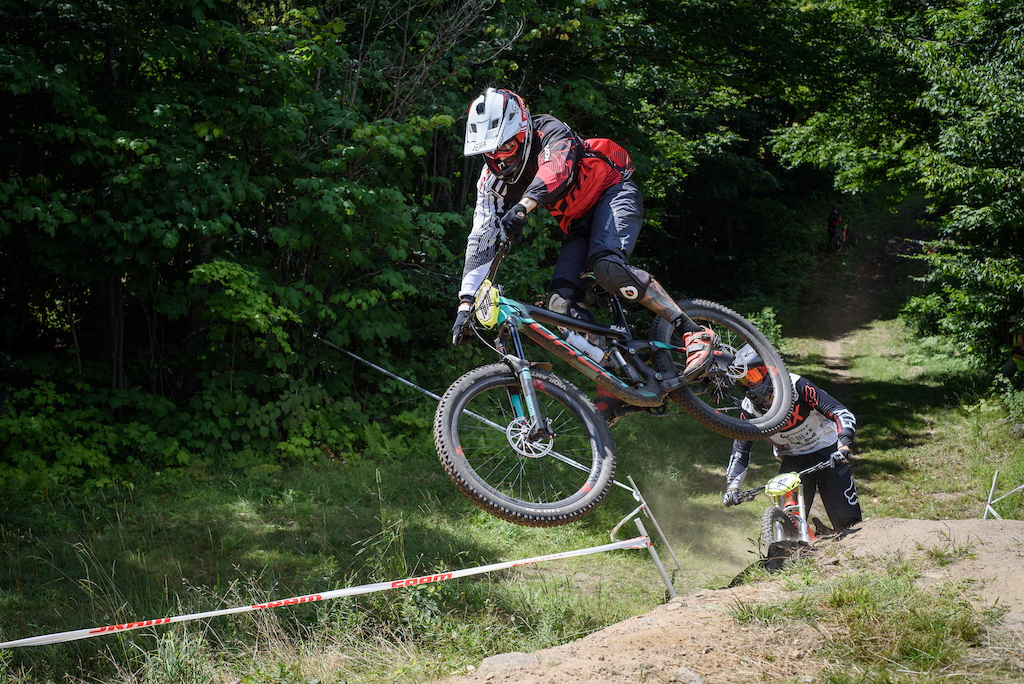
(721, 378)
(518, 434)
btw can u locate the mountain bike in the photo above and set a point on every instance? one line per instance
(785, 520)
(529, 447)
(840, 237)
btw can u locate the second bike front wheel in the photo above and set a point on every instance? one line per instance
(715, 397)
(482, 439)
(777, 526)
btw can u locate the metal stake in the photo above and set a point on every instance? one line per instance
(991, 493)
(657, 560)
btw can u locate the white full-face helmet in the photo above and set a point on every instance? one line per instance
(499, 127)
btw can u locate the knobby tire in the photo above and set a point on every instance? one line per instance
(485, 453)
(777, 526)
(713, 399)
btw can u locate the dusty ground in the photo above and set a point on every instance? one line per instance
(695, 638)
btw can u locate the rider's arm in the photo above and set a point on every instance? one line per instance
(558, 162)
(824, 403)
(483, 237)
(738, 463)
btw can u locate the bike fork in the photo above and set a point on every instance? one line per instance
(528, 407)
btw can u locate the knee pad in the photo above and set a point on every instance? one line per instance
(616, 276)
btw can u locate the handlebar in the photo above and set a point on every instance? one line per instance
(833, 460)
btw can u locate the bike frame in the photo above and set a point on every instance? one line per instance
(787, 492)
(839, 237)
(625, 354)
(643, 386)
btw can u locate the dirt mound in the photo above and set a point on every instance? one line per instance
(696, 639)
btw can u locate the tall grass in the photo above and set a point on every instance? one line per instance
(882, 626)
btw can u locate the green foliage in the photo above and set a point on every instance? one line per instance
(766, 321)
(930, 96)
(239, 302)
(191, 193)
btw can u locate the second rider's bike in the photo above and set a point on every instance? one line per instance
(529, 447)
(841, 236)
(785, 519)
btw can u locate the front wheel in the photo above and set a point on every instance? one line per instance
(836, 243)
(777, 526)
(481, 430)
(715, 398)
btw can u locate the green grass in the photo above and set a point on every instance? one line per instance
(878, 624)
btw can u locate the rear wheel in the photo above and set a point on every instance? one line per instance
(483, 441)
(714, 398)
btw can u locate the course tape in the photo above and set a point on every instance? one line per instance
(60, 637)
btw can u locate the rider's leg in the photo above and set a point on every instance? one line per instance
(567, 289)
(839, 494)
(835, 485)
(615, 226)
(565, 296)
(632, 283)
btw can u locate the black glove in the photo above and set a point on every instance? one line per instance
(731, 497)
(512, 223)
(460, 331)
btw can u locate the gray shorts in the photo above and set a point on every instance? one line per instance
(610, 229)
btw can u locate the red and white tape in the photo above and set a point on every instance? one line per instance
(635, 543)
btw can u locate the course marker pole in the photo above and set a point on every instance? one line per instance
(991, 493)
(657, 560)
(654, 554)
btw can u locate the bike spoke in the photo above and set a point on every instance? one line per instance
(515, 469)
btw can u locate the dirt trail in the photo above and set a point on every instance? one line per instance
(695, 639)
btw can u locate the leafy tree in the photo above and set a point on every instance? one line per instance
(935, 103)
(194, 191)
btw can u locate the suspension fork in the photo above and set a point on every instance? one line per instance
(527, 405)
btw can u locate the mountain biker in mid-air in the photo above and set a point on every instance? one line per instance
(539, 161)
(818, 427)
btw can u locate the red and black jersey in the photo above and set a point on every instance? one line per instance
(567, 174)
